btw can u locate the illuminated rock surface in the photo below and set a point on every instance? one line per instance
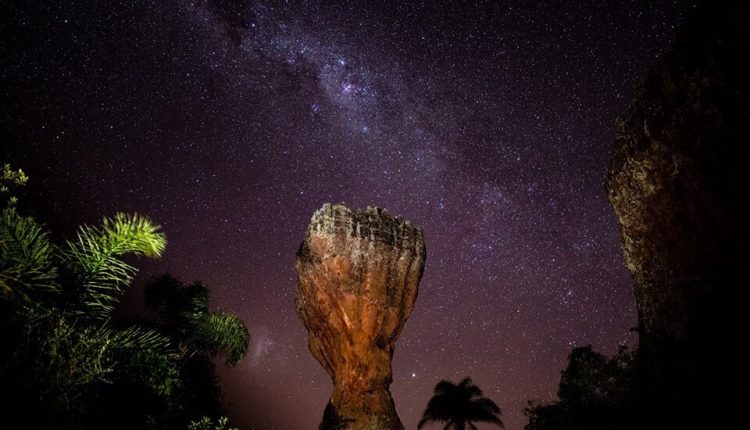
(358, 279)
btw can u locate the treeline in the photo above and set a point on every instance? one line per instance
(596, 392)
(64, 363)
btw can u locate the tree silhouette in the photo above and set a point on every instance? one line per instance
(595, 392)
(459, 406)
(182, 314)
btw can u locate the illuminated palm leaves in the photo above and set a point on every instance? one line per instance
(64, 297)
(97, 275)
(221, 332)
(148, 356)
(91, 275)
(26, 271)
(79, 354)
(27, 275)
(59, 346)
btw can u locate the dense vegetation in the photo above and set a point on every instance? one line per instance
(64, 364)
(595, 392)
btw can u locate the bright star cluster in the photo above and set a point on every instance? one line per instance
(490, 124)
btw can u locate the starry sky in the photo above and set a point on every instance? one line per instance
(490, 124)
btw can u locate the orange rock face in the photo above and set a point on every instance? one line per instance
(358, 279)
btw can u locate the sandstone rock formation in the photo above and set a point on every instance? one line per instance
(358, 279)
(677, 183)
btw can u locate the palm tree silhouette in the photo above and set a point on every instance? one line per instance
(459, 406)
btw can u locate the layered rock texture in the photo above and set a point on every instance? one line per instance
(358, 279)
(677, 183)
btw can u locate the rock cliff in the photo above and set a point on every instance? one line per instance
(677, 182)
(358, 274)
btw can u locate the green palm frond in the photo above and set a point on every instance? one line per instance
(26, 270)
(136, 337)
(76, 355)
(221, 332)
(93, 259)
(146, 355)
(133, 234)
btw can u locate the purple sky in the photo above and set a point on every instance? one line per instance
(229, 124)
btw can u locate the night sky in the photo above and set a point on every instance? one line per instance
(489, 125)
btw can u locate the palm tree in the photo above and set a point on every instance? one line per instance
(459, 406)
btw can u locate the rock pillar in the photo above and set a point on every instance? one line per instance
(358, 279)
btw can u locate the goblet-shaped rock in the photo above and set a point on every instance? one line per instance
(358, 279)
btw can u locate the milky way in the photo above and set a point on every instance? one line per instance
(489, 125)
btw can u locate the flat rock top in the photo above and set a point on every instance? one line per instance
(373, 224)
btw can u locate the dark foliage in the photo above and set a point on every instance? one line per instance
(595, 392)
(65, 365)
(182, 313)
